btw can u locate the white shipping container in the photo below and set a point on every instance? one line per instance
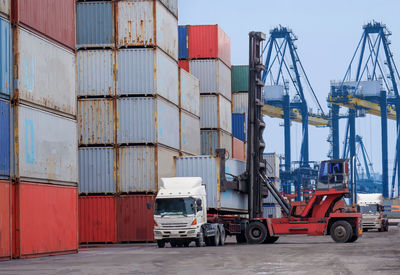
(273, 163)
(240, 102)
(147, 23)
(190, 133)
(273, 93)
(44, 72)
(189, 92)
(5, 7)
(215, 112)
(214, 139)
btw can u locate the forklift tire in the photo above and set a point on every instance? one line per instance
(160, 244)
(269, 239)
(341, 231)
(222, 238)
(241, 238)
(256, 232)
(214, 240)
(353, 239)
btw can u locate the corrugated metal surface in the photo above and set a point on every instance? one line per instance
(147, 120)
(5, 7)
(5, 220)
(207, 168)
(4, 138)
(238, 149)
(95, 72)
(209, 41)
(240, 78)
(94, 24)
(172, 6)
(147, 72)
(5, 58)
(140, 167)
(46, 148)
(97, 170)
(183, 42)
(96, 121)
(240, 102)
(189, 92)
(135, 218)
(273, 163)
(140, 25)
(46, 73)
(270, 198)
(47, 219)
(97, 219)
(54, 19)
(214, 76)
(239, 126)
(271, 210)
(215, 112)
(214, 139)
(190, 133)
(184, 64)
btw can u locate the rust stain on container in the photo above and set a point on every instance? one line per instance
(5, 220)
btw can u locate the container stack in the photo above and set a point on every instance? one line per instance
(205, 52)
(271, 208)
(129, 115)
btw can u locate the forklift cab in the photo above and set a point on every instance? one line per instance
(333, 174)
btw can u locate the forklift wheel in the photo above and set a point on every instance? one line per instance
(353, 239)
(341, 231)
(269, 239)
(241, 238)
(256, 232)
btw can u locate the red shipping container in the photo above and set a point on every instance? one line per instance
(238, 149)
(45, 220)
(209, 41)
(54, 19)
(97, 219)
(184, 64)
(5, 220)
(135, 218)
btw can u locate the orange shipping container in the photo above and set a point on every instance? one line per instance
(5, 220)
(45, 220)
(238, 149)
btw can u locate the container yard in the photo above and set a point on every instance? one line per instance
(137, 136)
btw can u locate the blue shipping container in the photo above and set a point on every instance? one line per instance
(183, 42)
(94, 24)
(4, 138)
(5, 60)
(239, 126)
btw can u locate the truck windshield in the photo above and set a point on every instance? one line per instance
(369, 209)
(174, 206)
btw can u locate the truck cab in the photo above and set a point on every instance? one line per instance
(373, 216)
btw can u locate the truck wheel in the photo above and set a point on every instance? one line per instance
(256, 233)
(341, 231)
(269, 239)
(353, 239)
(222, 238)
(161, 244)
(241, 238)
(214, 240)
(200, 240)
(173, 244)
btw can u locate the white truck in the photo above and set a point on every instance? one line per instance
(180, 214)
(373, 217)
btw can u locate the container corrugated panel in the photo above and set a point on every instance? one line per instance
(46, 73)
(214, 139)
(135, 218)
(215, 112)
(5, 57)
(240, 102)
(97, 170)
(172, 6)
(184, 64)
(239, 126)
(147, 72)
(94, 24)
(240, 78)
(47, 219)
(97, 219)
(207, 168)
(209, 41)
(214, 76)
(54, 19)
(189, 88)
(147, 120)
(147, 23)
(190, 133)
(4, 138)
(95, 72)
(238, 149)
(96, 121)
(183, 42)
(273, 163)
(5, 220)
(46, 149)
(141, 167)
(5, 7)
(271, 210)
(270, 198)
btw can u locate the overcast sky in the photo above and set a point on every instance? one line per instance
(328, 33)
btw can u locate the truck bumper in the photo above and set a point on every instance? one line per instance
(167, 235)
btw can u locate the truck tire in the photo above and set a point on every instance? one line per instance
(222, 237)
(200, 240)
(173, 244)
(270, 239)
(341, 231)
(241, 238)
(256, 232)
(214, 240)
(160, 244)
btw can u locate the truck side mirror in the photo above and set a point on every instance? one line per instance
(198, 203)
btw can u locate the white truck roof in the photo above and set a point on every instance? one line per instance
(181, 186)
(365, 199)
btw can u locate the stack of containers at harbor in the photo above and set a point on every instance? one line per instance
(271, 208)
(204, 51)
(38, 144)
(128, 114)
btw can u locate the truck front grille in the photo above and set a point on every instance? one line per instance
(174, 225)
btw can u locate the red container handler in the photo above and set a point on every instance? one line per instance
(45, 220)
(184, 64)
(5, 220)
(53, 19)
(135, 218)
(209, 41)
(97, 219)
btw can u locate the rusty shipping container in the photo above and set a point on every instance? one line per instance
(172, 6)
(214, 139)
(135, 218)
(215, 112)
(238, 149)
(97, 219)
(45, 220)
(209, 41)
(5, 8)
(190, 133)
(44, 72)
(52, 19)
(189, 92)
(5, 220)
(147, 23)
(240, 102)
